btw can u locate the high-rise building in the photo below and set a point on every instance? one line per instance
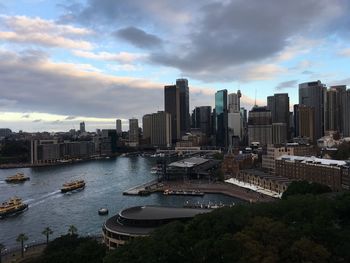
(157, 128)
(118, 124)
(133, 132)
(306, 122)
(313, 94)
(244, 119)
(278, 104)
(279, 135)
(82, 127)
(172, 106)
(234, 104)
(260, 126)
(221, 118)
(201, 119)
(234, 119)
(334, 108)
(346, 113)
(182, 84)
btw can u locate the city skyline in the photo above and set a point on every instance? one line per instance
(58, 68)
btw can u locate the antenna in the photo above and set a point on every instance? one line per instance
(255, 100)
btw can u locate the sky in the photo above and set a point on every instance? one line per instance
(63, 62)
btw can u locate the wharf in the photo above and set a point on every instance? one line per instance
(149, 186)
(202, 186)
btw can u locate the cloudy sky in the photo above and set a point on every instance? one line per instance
(63, 61)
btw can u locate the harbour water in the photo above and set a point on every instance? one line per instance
(105, 182)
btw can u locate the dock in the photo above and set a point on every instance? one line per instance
(151, 186)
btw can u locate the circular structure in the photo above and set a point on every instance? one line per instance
(140, 221)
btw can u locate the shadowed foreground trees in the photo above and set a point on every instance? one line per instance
(304, 187)
(21, 238)
(300, 229)
(72, 249)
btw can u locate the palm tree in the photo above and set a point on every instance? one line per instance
(21, 238)
(1, 249)
(47, 232)
(72, 230)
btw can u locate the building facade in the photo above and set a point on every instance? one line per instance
(184, 93)
(172, 106)
(118, 127)
(133, 132)
(313, 94)
(260, 126)
(157, 129)
(221, 125)
(322, 171)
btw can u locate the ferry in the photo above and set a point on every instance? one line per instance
(17, 178)
(73, 185)
(13, 206)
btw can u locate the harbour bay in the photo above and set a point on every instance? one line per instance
(105, 182)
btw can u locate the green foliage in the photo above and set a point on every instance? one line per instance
(72, 249)
(309, 228)
(72, 230)
(304, 187)
(47, 232)
(21, 238)
(218, 156)
(15, 151)
(343, 152)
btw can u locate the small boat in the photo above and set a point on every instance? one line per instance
(17, 178)
(73, 185)
(13, 206)
(103, 211)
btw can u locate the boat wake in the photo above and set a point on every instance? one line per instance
(43, 198)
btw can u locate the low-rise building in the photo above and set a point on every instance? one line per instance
(275, 151)
(233, 163)
(332, 173)
(140, 221)
(276, 184)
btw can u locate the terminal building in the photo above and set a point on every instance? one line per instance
(140, 221)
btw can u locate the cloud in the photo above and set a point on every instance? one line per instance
(26, 116)
(22, 29)
(236, 33)
(70, 118)
(37, 120)
(123, 57)
(344, 52)
(287, 84)
(307, 72)
(66, 89)
(138, 37)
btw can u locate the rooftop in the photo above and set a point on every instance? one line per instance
(189, 163)
(312, 160)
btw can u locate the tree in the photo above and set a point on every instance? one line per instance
(47, 232)
(2, 247)
(72, 230)
(21, 238)
(304, 187)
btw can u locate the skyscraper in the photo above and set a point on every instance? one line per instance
(202, 119)
(221, 118)
(260, 126)
(313, 94)
(334, 108)
(346, 113)
(82, 127)
(157, 128)
(133, 132)
(118, 124)
(278, 104)
(182, 84)
(234, 122)
(172, 106)
(306, 122)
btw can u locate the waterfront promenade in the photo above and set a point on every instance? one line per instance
(202, 186)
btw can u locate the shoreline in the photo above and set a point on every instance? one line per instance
(203, 186)
(29, 165)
